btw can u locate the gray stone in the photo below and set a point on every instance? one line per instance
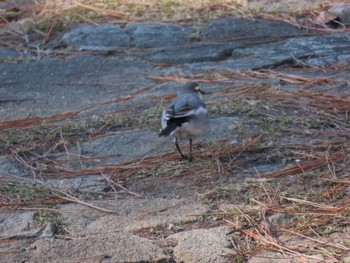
(221, 127)
(16, 224)
(47, 231)
(149, 35)
(114, 246)
(188, 53)
(54, 86)
(104, 37)
(7, 6)
(123, 146)
(132, 215)
(86, 183)
(78, 81)
(6, 54)
(9, 167)
(328, 60)
(313, 50)
(236, 29)
(343, 12)
(202, 245)
(321, 48)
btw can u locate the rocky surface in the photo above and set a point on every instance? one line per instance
(343, 12)
(192, 247)
(113, 247)
(162, 223)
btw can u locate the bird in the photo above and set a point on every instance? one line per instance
(186, 118)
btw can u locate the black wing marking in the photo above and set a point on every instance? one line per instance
(172, 125)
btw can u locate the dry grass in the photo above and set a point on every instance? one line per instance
(314, 196)
(302, 135)
(46, 19)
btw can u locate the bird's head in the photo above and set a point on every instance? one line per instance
(193, 87)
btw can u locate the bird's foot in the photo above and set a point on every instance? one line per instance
(185, 158)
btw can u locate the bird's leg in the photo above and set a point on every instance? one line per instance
(178, 148)
(190, 151)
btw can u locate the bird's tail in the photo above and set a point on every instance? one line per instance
(169, 129)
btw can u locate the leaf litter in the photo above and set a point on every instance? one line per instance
(302, 130)
(313, 156)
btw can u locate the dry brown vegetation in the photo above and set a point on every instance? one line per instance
(306, 132)
(46, 19)
(312, 148)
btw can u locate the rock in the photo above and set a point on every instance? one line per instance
(343, 12)
(105, 37)
(240, 30)
(316, 50)
(47, 231)
(114, 246)
(327, 60)
(133, 215)
(9, 167)
(202, 245)
(149, 35)
(188, 53)
(7, 6)
(17, 224)
(219, 127)
(81, 184)
(123, 146)
(55, 86)
(21, 225)
(6, 54)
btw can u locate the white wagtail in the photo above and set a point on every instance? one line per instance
(186, 117)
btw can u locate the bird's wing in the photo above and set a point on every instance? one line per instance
(183, 111)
